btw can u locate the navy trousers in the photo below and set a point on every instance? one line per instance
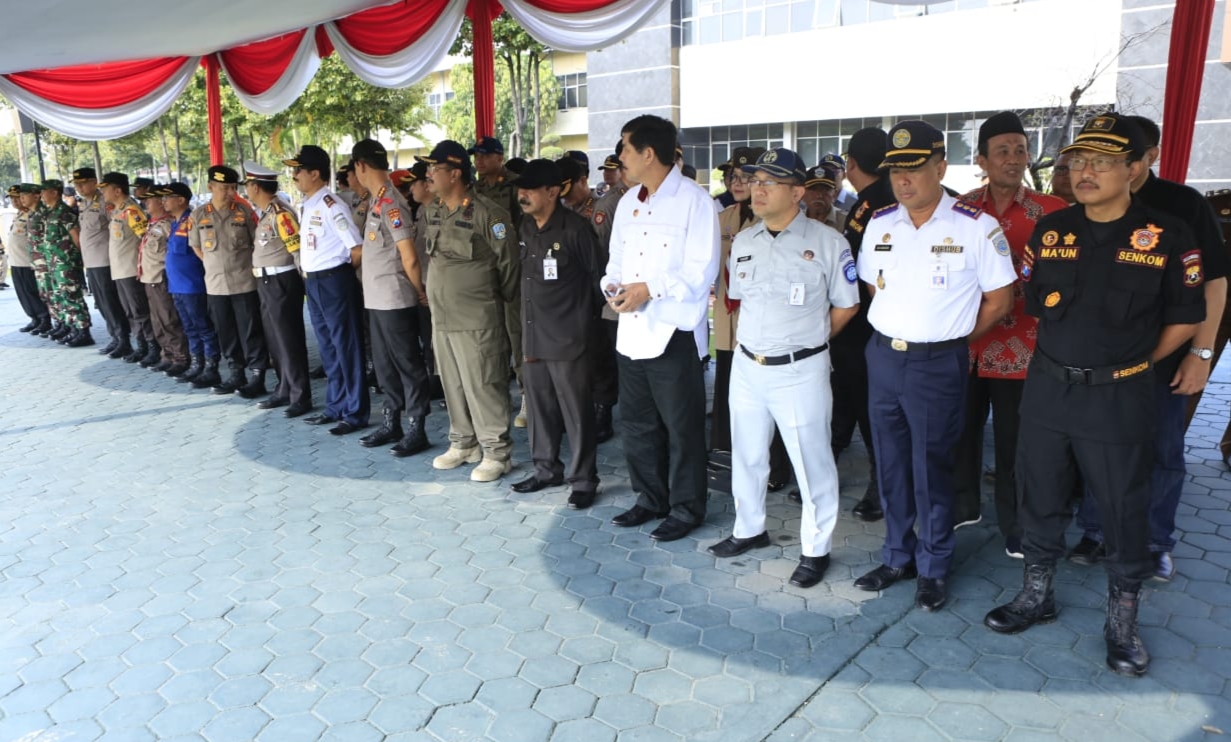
(194, 316)
(916, 403)
(336, 308)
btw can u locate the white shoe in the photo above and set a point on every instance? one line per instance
(455, 457)
(520, 420)
(489, 470)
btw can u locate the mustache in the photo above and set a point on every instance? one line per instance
(523, 202)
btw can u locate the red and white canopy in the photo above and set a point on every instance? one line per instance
(93, 89)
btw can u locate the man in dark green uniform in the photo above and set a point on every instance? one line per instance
(62, 250)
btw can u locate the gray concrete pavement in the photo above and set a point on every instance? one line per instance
(180, 566)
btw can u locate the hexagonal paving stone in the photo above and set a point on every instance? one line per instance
(565, 702)
(624, 711)
(460, 723)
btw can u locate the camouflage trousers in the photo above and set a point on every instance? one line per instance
(67, 283)
(43, 279)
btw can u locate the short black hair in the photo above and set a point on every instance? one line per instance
(269, 186)
(1149, 130)
(654, 132)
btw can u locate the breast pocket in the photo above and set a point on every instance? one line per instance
(1132, 294)
(209, 239)
(241, 238)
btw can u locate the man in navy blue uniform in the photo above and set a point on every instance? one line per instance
(940, 274)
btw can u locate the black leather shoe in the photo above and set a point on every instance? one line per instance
(382, 436)
(733, 546)
(581, 500)
(297, 409)
(635, 516)
(884, 576)
(81, 339)
(1164, 568)
(321, 419)
(534, 484)
(343, 428)
(672, 529)
(101, 351)
(795, 497)
(773, 486)
(810, 571)
(30, 326)
(931, 594)
(1087, 552)
(272, 403)
(868, 509)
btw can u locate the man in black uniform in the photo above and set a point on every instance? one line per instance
(850, 374)
(1117, 287)
(560, 265)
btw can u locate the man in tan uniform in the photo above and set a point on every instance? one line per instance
(152, 273)
(473, 292)
(127, 227)
(221, 232)
(95, 223)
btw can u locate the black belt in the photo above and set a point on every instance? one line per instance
(905, 346)
(798, 355)
(1090, 376)
(327, 271)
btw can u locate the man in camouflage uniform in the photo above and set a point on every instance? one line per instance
(62, 251)
(35, 227)
(474, 291)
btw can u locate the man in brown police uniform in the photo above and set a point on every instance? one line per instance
(127, 226)
(95, 221)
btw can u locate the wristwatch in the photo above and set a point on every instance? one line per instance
(1204, 354)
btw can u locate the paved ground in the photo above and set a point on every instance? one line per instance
(179, 566)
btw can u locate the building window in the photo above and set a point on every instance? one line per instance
(707, 148)
(436, 101)
(572, 91)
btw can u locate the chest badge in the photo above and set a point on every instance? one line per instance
(1069, 239)
(809, 255)
(1051, 237)
(1147, 238)
(1052, 299)
(880, 279)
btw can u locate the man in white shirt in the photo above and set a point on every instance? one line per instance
(663, 260)
(329, 239)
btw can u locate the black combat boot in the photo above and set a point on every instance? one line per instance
(1036, 603)
(174, 369)
(139, 351)
(1126, 655)
(68, 336)
(389, 431)
(414, 441)
(44, 326)
(81, 339)
(233, 382)
(255, 386)
(152, 355)
(602, 423)
(209, 374)
(122, 349)
(58, 330)
(30, 325)
(162, 366)
(194, 369)
(106, 349)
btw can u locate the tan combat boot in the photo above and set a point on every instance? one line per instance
(490, 470)
(455, 457)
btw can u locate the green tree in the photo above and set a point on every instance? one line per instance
(10, 161)
(526, 90)
(457, 115)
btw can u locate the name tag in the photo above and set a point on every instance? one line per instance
(940, 277)
(798, 291)
(311, 241)
(550, 272)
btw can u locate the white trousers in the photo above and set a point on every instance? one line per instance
(797, 397)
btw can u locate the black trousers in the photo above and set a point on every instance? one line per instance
(850, 397)
(662, 403)
(398, 359)
(604, 369)
(136, 308)
(1117, 475)
(1003, 397)
(281, 297)
(27, 293)
(559, 401)
(720, 415)
(237, 320)
(107, 300)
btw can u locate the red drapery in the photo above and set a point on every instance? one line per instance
(569, 6)
(390, 28)
(93, 85)
(481, 13)
(256, 67)
(213, 110)
(1190, 36)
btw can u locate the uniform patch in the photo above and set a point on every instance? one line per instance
(1136, 257)
(1059, 253)
(1002, 246)
(343, 226)
(1193, 275)
(850, 272)
(948, 249)
(901, 138)
(395, 218)
(845, 254)
(809, 255)
(1027, 272)
(329, 200)
(962, 207)
(1051, 237)
(1052, 299)
(599, 217)
(1070, 238)
(1124, 373)
(499, 230)
(1146, 238)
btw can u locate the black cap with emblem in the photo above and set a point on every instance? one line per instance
(1111, 134)
(912, 143)
(543, 174)
(84, 173)
(115, 179)
(222, 174)
(447, 152)
(371, 153)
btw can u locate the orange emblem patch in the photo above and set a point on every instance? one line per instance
(1051, 237)
(1147, 238)
(1052, 299)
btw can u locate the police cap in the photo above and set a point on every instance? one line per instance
(1110, 134)
(779, 163)
(912, 143)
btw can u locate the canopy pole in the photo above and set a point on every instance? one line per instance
(481, 14)
(213, 110)
(1190, 34)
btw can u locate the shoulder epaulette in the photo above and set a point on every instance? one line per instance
(885, 210)
(969, 210)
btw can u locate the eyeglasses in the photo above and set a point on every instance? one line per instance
(1098, 164)
(1060, 169)
(438, 168)
(741, 178)
(766, 183)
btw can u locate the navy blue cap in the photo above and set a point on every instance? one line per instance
(578, 156)
(820, 175)
(834, 161)
(779, 163)
(448, 152)
(487, 146)
(912, 143)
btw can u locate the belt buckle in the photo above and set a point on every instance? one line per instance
(1077, 375)
(760, 359)
(898, 344)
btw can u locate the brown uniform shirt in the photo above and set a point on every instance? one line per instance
(277, 237)
(95, 221)
(128, 225)
(225, 241)
(154, 250)
(385, 284)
